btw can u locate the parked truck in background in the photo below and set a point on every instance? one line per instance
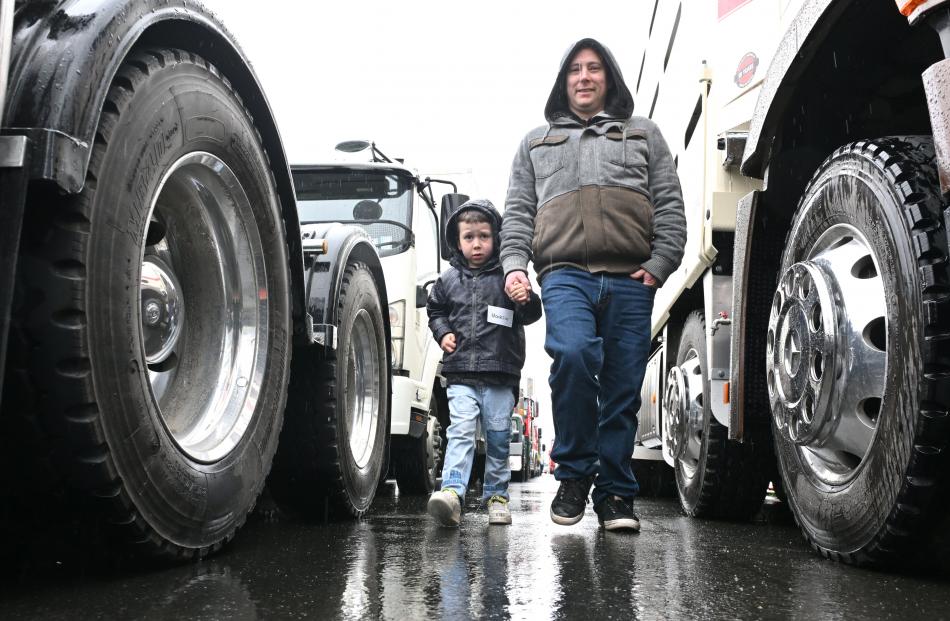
(804, 339)
(397, 209)
(524, 454)
(158, 298)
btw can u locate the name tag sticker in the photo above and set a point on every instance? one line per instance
(501, 316)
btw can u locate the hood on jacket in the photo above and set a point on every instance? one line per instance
(452, 229)
(619, 101)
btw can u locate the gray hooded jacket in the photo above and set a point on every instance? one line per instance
(601, 195)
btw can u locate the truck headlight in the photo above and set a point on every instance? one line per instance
(397, 324)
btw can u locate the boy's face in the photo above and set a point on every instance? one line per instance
(475, 242)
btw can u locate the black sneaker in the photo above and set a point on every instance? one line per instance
(616, 513)
(570, 501)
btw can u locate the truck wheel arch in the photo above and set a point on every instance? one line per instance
(813, 70)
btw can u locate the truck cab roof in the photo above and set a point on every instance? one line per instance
(382, 167)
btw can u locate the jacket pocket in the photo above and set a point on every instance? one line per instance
(560, 232)
(628, 224)
(547, 155)
(629, 153)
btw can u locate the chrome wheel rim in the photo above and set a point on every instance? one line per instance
(684, 400)
(827, 354)
(362, 389)
(203, 307)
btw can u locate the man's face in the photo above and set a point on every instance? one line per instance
(586, 84)
(475, 241)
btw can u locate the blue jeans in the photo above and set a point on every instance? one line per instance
(494, 405)
(598, 333)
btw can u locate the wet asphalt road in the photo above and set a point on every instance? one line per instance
(398, 565)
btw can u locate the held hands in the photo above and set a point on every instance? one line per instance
(518, 287)
(448, 343)
(645, 277)
(519, 294)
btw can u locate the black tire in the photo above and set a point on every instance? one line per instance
(418, 461)
(316, 471)
(879, 505)
(114, 411)
(655, 477)
(725, 479)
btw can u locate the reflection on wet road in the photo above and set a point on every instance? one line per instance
(397, 565)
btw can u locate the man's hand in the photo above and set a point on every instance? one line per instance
(645, 277)
(519, 294)
(518, 287)
(448, 343)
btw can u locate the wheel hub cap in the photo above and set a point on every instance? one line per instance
(162, 310)
(826, 353)
(684, 403)
(802, 341)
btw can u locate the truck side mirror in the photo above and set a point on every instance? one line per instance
(422, 294)
(450, 204)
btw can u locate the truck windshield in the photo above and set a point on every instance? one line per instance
(380, 202)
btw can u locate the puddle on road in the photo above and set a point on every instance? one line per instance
(398, 565)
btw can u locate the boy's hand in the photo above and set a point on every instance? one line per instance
(516, 278)
(448, 343)
(519, 294)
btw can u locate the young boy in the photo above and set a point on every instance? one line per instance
(481, 332)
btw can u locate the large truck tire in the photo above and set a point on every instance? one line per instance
(715, 477)
(151, 353)
(418, 461)
(858, 364)
(333, 445)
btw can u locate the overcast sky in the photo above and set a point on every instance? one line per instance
(451, 87)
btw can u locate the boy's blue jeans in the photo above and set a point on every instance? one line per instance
(494, 405)
(598, 333)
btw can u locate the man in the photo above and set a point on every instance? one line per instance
(595, 202)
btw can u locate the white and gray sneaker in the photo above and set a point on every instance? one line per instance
(616, 513)
(445, 508)
(498, 512)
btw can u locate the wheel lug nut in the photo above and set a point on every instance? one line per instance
(153, 312)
